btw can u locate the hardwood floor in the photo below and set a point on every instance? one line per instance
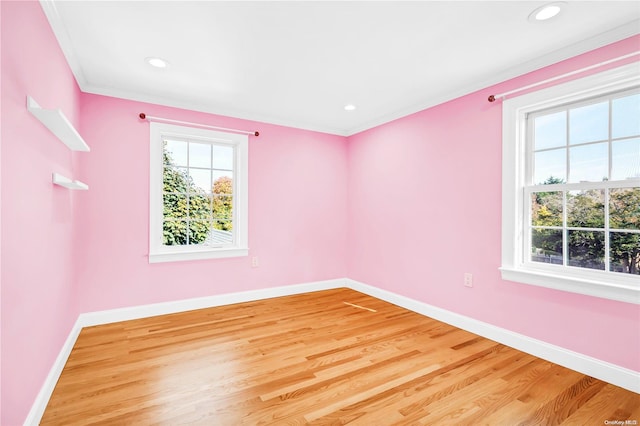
(314, 359)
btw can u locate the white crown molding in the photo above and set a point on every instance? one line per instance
(66, 45)
(49, 8)
(602, 370)
(617, 34)
(64, 40)
(253, 117)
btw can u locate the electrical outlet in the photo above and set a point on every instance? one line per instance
(468, 279)
(255, 262)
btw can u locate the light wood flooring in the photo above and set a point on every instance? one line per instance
(314, 359)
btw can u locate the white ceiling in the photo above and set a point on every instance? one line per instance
(298, 63)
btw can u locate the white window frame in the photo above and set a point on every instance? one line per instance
(613, 286)
(158, 252)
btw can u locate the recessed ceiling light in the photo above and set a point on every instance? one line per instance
(157, 62)
(546, 11)
(349, 107)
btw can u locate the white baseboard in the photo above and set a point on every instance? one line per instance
(143, 311)
(611, 373)
(40, 403)
(602, 370)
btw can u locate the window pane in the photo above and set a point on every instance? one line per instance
(222, 182)
(174, 206)
(589, 123)
(175, 152)
(223, 225)
(201, 180)
(174, 232)
(546, 246)
(551, 130)
(626, 116)
(625, 252)
(200, 206)
(586, 249)
(223, 207)
(199, 231)
(222, 232)
(174, 179)
(199, 155)
(624, 208)
(550, 166)
(546, 208)
(585, 209)
(625, 159)
(589, 163)
(222, 157)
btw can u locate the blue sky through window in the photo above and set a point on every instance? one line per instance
(588, 148)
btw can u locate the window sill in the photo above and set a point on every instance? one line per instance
(622, 292)
(201, 254)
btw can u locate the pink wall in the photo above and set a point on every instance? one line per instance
(69, 252)
(425, 207)
(38, 301)
(297, 221)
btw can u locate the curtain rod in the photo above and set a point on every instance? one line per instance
(144, 116)
(492, 98)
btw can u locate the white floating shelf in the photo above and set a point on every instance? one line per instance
(58, 124)
(58, 179)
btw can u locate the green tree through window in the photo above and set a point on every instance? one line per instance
(186, 208)
(585, 209)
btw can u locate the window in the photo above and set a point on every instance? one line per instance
(198, 194)
(571, 186)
